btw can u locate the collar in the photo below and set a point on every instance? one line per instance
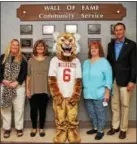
(121, 41)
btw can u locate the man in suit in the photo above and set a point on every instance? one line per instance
(122, 57)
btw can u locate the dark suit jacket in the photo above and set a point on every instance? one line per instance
(124, 68)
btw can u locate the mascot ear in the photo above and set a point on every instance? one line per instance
(54, 47)
(77, 36)
(55, 35)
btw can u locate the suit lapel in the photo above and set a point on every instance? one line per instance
(123, 48)
(113, 50)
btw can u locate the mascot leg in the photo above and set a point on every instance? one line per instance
(73, 134)
(61, 123)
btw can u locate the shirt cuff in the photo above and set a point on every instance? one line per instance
(108, 86)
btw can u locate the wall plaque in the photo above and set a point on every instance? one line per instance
(70, 12)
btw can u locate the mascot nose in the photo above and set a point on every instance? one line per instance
(67, 43)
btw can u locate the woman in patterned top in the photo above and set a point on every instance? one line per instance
(13, 72)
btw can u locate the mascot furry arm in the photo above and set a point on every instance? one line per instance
(54, 89)
(77, 91)
(52, 80)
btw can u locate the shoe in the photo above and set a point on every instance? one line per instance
(122, 135)
(33, 133)
(19, 133)
(112, 131)
(7, 133)
(42, 133)
(99, 135)
(92, 131)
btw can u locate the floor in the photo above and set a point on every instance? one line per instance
(131, 137)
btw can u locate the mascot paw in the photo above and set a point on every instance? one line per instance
(58, 99)
(73, 136)
(72, 103)
(74, 99)
(60, 137)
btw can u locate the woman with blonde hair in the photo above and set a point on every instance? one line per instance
(13, 72)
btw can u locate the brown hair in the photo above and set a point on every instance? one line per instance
(35, 47)
(97, 45)
(119, 24)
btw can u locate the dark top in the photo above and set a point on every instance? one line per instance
(22, 74)
(124, 68)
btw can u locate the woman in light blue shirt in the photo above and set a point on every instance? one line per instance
(97, 82)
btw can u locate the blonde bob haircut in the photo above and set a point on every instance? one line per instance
(18, 57)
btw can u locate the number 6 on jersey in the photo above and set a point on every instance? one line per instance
(66, 75)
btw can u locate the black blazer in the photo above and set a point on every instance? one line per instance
(124, 68)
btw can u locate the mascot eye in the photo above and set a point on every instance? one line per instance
(62, 40)
(70, 40)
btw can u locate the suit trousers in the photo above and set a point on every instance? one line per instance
(120, 103)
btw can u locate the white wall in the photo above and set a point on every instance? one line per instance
(10, 28)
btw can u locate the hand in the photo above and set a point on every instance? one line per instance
(106, 98)
(130, 86)
(107, 95)
(13, 84)
(28, 94)
(6, 82)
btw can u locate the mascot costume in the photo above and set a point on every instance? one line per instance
(65, 85)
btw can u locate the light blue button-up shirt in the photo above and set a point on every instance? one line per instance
(96, 77)
(118, 47)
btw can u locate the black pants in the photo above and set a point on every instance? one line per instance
(38, 105)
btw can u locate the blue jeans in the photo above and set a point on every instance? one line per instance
(97, 113)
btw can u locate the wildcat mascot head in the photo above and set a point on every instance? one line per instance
(66, 45)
